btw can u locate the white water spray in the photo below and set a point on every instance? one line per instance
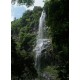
(41, 42)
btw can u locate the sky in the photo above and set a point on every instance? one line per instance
(17, 11)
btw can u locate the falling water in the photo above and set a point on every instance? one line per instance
(41, 41)
(41, 26)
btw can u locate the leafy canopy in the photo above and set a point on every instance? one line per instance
(25, 2)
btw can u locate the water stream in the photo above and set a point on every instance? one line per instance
(41, 41)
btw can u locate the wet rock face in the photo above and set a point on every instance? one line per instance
(46, 56)
(42, 44)
(43, 52)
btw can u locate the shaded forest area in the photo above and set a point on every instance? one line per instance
(23, 32)
(23, 41)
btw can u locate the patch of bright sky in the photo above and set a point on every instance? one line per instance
(17, 11)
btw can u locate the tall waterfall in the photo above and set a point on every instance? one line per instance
(41, 42)
(41, 26)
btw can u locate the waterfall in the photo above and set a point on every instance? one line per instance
(41, 41)
(41, 26)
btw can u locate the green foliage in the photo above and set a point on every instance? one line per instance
(51, 70)
(15, 27)
(23, 32)
(26, 2)
(27, 42)
(21, 63)
(28, 23)
(57, 12)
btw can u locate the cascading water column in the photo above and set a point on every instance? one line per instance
(41, 26)
(41, 42)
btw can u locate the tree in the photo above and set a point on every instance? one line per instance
(58, 22)
(25, 2)
(21, 64)
(23, 32)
